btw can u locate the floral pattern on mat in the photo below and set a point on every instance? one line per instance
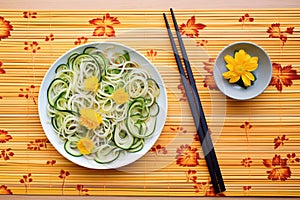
(105, 25)
(283, 76)
(191, 28)
(277, 31)
(5, 28)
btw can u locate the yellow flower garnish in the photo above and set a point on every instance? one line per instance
(91, 84)
(85, 145)
(120, 96)
(240, 66)
(89, 118)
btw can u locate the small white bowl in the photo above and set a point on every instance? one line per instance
(263, 73)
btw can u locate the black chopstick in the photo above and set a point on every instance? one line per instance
(196, 108)
(207, 137)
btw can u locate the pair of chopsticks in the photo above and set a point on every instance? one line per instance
(196, 107)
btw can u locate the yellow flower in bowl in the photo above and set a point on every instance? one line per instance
(242, 70)
(240, 67)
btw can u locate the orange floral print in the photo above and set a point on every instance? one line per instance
(2, 71)
(292, 158)
(51, 162)
(276, 31)
(26, 180)
(179, 129)
(196, 137)
(202, 43)
(187, 156)
(104, 25)
(152, 54)
(5, 190)
(202, 187)
(6, 154)
(199, 186)
(28, 14)
(209, 65)
(209, 80)
(81, 40)
(37, 144)
(247, 126)
(28, 93)
(279, 141)
(4, 137)
(191, 28)
(181, 88)
(159, 149)
(63, 175)
(33, 47)
(246, 18)
(49, 38)
(5, 28)
(283, 76)
(81, 190)
(247, 188)
(246, 162)
(279, 170)
(191, 176)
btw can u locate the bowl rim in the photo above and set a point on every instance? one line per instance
(268, 78)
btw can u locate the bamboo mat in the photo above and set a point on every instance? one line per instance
(257, 141)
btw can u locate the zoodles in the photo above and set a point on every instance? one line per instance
(102, 104)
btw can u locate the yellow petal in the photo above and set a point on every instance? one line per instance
(252, 64)
(246, 80)
(250, 76)
(247, 57)
(254, 59)
(228, 75)
(234, 79)
(230, 61)
(240, 56)
(230, 67)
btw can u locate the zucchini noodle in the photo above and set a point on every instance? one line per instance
(104, 102)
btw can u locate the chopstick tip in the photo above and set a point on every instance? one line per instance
(165, 16)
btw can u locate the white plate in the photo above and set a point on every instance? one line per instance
(263, 73)
(130, 157)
